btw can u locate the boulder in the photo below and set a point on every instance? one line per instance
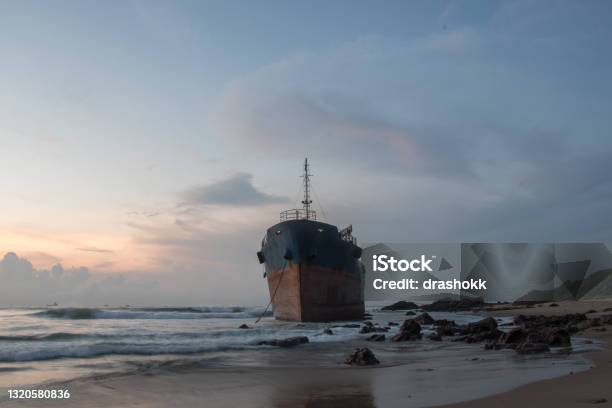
(568, 321)
(410, 313)
(446, 327)
(492, 335)
(605, 319)
(393, 324)
(362, 357)
(452, 305)
(288, 342)
(401, 305)
(485, 329)
(328, 332)
(376, 337)
(435, 337)
(409, 330)
(243, 326)
(425, 318)
(556, 337)
(368, 327)
(532, 348)
(484, 325)
(513, 337)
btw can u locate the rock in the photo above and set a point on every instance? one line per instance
(410, 313)
(401, 305)
(409, 330)
(567, 321)
(527, 303)
(553, 305)
(376, 337)
(445, 322)
(595, 322)
(446, 330)
(596, 401)
(288, 342)
(451, 305)
(518, 338)
(393, 324)
(493, 335)
(446, 327)
(425, 318)
(493, 345)
(605, 319)
(484, 325)
(485, 329)
(368, 327)
(349, 326)
(435, 337)
(243, 326)
(590, 311)
(362, 357)
(513, 337)
(328, 332)
(532, 348)
(555, 336)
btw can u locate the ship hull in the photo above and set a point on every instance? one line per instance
(305, 293)
(313, 275)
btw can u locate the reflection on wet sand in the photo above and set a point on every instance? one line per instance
(316, 393)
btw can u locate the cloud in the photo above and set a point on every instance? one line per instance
(237, 190)
(381, 114)
(16, 268)
(23, 285)
(462, 128)
(94, 249)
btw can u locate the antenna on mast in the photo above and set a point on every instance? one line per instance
(306, 201)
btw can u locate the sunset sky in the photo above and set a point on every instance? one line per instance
(156, 141)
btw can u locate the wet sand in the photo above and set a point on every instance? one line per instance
(468, 373)
(588, 388)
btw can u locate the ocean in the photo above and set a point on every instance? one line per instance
(62, 343)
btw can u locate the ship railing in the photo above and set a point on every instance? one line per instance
(298, 214)
(346, 234)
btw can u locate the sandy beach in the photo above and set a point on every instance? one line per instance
(469, 374)
(576, 390)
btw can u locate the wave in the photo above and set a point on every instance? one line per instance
(68, 313)
(152, 313)
(45, 337)
(105, 349)
(21, 348)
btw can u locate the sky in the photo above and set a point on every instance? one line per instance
(145, 146)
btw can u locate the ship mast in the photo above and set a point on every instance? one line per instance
(306, 201)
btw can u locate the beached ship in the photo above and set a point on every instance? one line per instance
(313, 270)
